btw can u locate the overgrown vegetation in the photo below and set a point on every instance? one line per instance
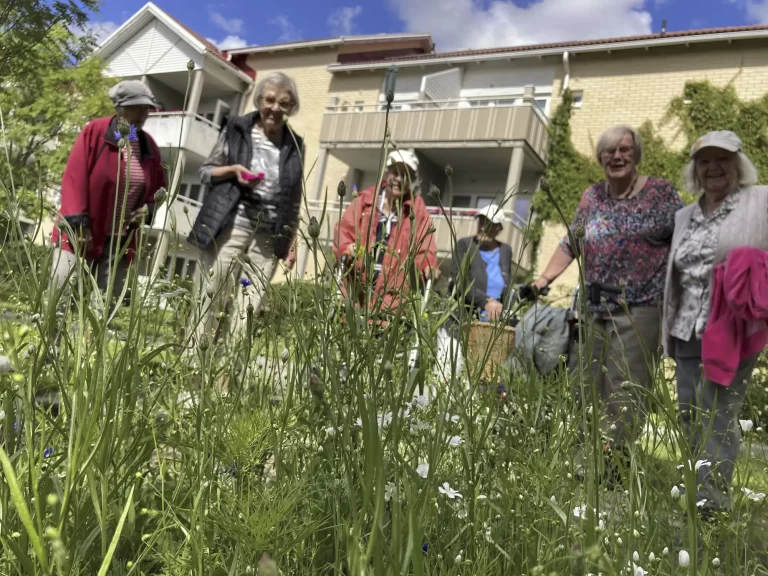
(309, 447)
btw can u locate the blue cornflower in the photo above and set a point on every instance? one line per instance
(132, 134)
(245, 282)
(48, 452)
(424, 547)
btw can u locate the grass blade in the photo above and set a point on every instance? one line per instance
(116, 538)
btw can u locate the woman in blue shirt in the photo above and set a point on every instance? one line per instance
(489, 264)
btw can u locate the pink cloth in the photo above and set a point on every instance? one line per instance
(738, 322)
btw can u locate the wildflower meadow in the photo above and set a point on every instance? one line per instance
(314, 445)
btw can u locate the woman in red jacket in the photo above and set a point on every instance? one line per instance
(384, 215)
(103, 212)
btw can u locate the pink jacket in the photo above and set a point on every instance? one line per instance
(738, 321)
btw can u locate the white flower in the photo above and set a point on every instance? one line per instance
(665, 551)
(651, 557)
(448, 491)
(715, 561)
(454, 419)
(683, 559)
(389, 491)
(700, 463)
(675, 492)
(635, 556)
(331, 431)
(359, 422)
(422, 469)
(455, 441)
(384, 420)
(458, 558)
(580, 512)
(638, 570)
(754, 496)
(746, 425)
(701, 503)
(420, 401)
(419, 426)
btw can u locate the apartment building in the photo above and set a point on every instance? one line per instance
(485, 112)
(155, 48)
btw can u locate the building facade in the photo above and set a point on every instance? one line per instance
(484, 113)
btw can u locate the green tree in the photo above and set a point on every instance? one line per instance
(25, 25)
(43, 116)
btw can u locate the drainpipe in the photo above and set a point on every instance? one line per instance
(567, 67)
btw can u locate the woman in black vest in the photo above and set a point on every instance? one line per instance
(251, 211)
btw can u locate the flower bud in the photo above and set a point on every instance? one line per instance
(544, 185)
(124, 127)
(448, 170)
(341, 189)
(434, 192)
(160, 196)
(314, 228)
(580, 232)
(185, 209)
(203, 343)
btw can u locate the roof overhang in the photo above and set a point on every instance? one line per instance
(576, 48)
(147, 14)
(330, 43)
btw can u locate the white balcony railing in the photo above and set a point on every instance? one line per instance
(183, 130)
(177, 217)
(461, 220)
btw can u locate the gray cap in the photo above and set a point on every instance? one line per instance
(132, 93)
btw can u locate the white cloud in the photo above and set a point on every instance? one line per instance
(99, 30)
(757, 10)
(231, 26)
(461, 24)
(342, 22)
(288, 32)
(231, 42)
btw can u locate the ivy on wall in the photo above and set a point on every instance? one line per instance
(701, 108)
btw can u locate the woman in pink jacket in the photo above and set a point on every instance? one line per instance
(714, 298)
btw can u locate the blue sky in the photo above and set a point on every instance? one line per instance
(454, 24)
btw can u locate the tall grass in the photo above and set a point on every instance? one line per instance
(307, 448)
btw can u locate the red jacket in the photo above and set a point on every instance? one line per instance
(89, 184)
(738, 321)
(393, 281)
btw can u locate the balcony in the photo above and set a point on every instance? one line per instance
(464, 224)
(190, 132)
(178, 217)
(451, 123)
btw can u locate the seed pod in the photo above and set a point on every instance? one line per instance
(341, 189)
(314, 228)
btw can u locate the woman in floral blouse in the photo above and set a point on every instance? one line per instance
(627, 221)
(731, 215)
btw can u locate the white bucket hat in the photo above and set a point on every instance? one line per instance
(407, 157)
(492, 213)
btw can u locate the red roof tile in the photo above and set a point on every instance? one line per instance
(576, 43)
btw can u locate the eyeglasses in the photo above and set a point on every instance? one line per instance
(622, 150)
(283, 105)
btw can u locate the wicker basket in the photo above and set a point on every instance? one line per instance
(490, 343)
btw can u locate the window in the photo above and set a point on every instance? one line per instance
(577, 97)
(191, 269)
(193, 192)
(462, 202)
(179, 269)
(543, 103)
(484, 201)
(210, 116)
(522, 207)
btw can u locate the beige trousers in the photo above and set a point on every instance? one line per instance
(241, 260)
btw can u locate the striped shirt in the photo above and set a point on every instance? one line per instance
(135, 192)
(260, 205)
(383, 232)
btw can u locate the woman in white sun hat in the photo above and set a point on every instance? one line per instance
(399, 236)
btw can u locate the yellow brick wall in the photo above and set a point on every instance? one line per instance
(632, 87)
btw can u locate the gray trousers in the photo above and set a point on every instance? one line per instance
(223, 270)
(625, 348)
(65, 262)
(709, 413)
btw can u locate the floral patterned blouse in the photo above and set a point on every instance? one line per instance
(693, 261)
(626, 241)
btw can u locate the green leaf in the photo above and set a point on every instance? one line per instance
(21, 508)
(116, 538)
